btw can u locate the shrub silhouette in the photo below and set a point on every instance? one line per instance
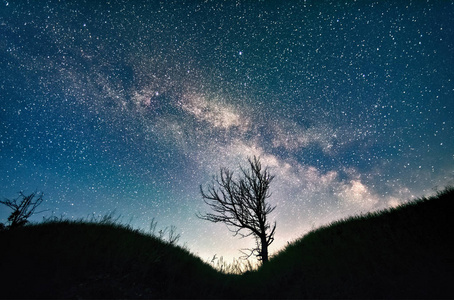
(23, 208)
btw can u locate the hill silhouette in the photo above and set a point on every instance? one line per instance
(67, 259)
(404, 252)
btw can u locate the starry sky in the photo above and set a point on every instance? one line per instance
(130, 106)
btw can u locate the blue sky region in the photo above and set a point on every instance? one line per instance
(130, 106)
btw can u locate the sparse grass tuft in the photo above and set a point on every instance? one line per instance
(236, 267)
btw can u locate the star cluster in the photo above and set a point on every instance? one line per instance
(131, 105)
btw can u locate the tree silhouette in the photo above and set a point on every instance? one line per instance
(23, 209)
(241, 204)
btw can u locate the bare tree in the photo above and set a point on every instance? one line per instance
(241, 204)
(22, 209)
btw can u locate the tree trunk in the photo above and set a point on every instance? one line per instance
(264, 250)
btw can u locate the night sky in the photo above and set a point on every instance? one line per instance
(130, 106)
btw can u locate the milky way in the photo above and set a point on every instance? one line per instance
(130, 106)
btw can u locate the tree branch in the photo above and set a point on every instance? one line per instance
(241, 203)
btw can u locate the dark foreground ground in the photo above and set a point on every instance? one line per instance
(399, 253)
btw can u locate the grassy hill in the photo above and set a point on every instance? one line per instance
(405, 252)
(398, 253)
(90, 260)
